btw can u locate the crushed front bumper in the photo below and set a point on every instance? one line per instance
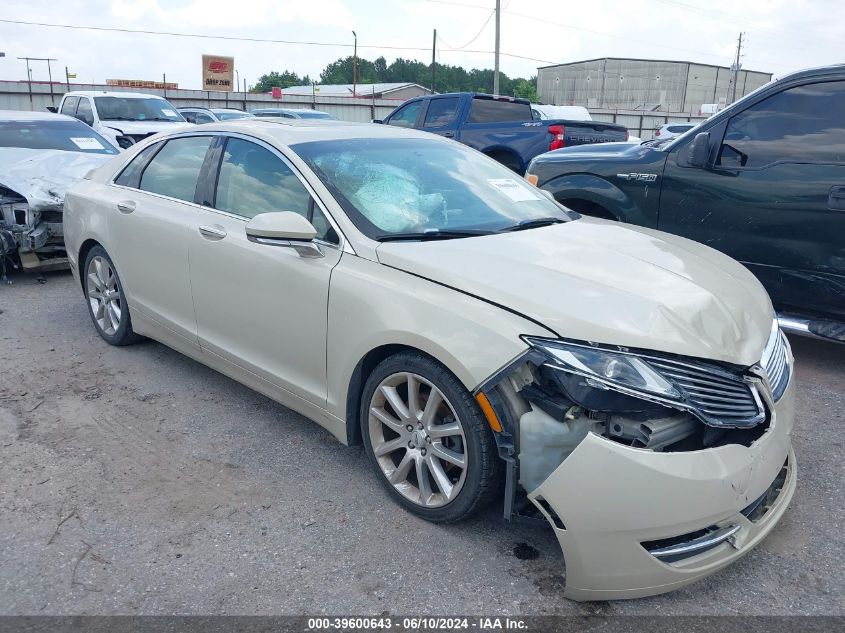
(610, 499)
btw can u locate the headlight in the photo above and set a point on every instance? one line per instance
(609, 380)
(605, 369)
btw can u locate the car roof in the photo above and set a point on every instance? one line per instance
(25, 115)
(228, 110)
(292, 131)
(106, 93)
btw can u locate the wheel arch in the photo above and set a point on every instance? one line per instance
(505, 156)
(362, 371)
(598, 191)
(84, 249)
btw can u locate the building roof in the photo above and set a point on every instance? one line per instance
(656, 61)
(345, 90)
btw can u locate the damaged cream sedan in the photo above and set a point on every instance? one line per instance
(627, 387)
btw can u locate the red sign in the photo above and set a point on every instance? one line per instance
(277, 92)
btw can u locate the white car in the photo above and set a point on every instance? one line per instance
(484, 343)
(123, 117)
(671, 130)
(210, 115)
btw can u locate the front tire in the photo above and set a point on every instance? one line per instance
(106, 300)
(428, 440)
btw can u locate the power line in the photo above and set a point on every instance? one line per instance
(477, 35)
(253, 39)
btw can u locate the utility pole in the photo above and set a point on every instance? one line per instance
(433, 62)
(355, 64)
(736, 67)
(496, 54)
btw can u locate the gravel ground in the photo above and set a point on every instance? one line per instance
(136, 481)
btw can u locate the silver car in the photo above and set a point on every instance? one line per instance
(630, 388)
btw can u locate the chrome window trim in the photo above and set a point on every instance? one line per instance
(343, 245)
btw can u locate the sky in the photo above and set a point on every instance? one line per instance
(779, 35)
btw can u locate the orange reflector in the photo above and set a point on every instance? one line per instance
(487, 408)
(532, 178)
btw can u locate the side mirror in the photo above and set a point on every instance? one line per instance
(377, 121)
(286, 229)
(699, 151)
(52, 109)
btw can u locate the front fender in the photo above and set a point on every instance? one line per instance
(602, 192)
(372, 305)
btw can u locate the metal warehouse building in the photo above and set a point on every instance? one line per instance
(643, 84)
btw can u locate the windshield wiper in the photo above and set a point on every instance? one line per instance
(118, 118)
(433, 234)
(533, 224)
(158, 118)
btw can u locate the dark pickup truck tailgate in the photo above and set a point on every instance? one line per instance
(589, 132)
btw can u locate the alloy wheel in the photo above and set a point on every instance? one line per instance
(104, 295)
(417, 439)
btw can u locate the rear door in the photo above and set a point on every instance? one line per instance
(152, 214)
(775, 196)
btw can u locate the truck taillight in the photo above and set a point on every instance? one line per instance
(558, 136)
(657, 133)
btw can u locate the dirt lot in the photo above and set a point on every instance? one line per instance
(137, 481)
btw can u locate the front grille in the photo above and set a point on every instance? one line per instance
(776, 363)
(715, 395)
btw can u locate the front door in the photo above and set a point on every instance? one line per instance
(262, 307)
(774, 199)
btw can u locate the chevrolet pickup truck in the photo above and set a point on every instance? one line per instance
(762, 181)
(501, 127)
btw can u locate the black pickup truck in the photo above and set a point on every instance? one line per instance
(763, 181)
(501, 127)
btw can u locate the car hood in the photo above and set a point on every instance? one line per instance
(605, 282)
(42, 176)
(141, 127)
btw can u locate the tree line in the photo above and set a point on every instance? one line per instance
(447, 78)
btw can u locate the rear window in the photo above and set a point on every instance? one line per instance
(72, 136)
(492, 110)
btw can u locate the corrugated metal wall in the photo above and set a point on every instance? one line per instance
(642, 84)
(15, 95)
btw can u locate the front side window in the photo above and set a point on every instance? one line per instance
(136, 109)
(72, 136)
(202, 117)
(801, 124)
(254, 180)
(175, 169)
(441, 111)
(407, 115)
(84, 109)
(408, 186)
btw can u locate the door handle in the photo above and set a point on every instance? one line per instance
(126, 206)
(214, 232)
(836, 198)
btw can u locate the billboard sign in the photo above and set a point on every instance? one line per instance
(218, 73)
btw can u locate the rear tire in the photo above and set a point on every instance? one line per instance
(106, 300)
(427, 439)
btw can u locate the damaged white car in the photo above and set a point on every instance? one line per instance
(41, 155)
(630, 388)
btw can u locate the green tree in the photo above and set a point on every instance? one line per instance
(527, 89)
(285, 79)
